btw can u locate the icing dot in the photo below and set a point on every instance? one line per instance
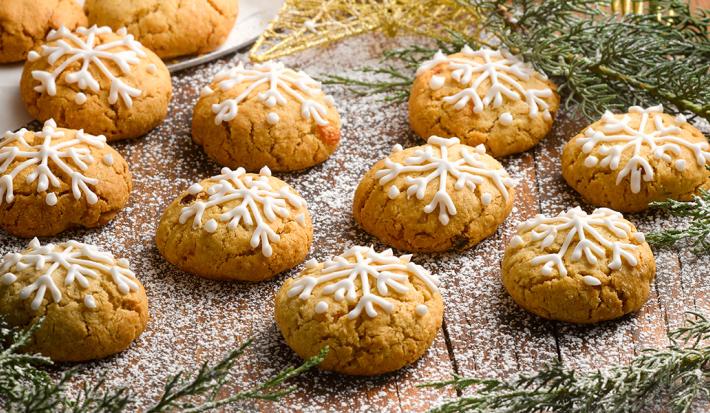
(486, 198)
(51, 199)
(271, 102)
(680, 165)
(310, 25)
(436, 82)
(206, 91)
(592, 281)
(211, 226)
(639, 236)
(312, 263)
(516, 241)
(151, 68)
(122, 31)
(8, 278)
(265, 171)
(301, 219)
(397, 148)
(321, 307)
(194, 189)
(421, 309)
(591, 161)
(80, 98)
(32, 56)
(89, 301)
(393, 192)
(506, 119)
(681, 119)
(123, 262)
(546, 115)
(108, 159)
(272, 118)
(329, 99)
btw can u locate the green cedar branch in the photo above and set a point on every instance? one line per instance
(698, 231)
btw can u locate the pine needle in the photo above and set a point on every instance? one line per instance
(697, 232)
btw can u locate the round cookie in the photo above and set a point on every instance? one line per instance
(170, 28)
(236, 226)
(627, 161)
(487, 97)
(578, 267)
(92, 303)
(58, 179)
(435, 197)
(94, 79)
(24, 24)
(375, 311)
(269, 115)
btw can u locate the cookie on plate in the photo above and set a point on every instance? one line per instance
(94, 79)
(236, 226)
(628, 160)
(170, 28)
(434, 197)
(266, 115)
(24, 24)
(92, 303)
(487, 97)
(578, 267)
(58, 179)
(376, 311)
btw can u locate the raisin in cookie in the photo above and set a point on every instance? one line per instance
(92, 303)
(24, 24)
(94, 79)
(170, 28)
(267, 115)
(579, 267)
(375, 311)
(487, 97)
(236, 226)
(628, 160)
(58, 179)
(435, 197)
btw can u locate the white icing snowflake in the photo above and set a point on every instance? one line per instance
(283, 83)
(616, 136)
(432, 161)
(82, 47)
(501, 69)
(43, 156)
(80, 262)
(581, 228)
(363, 264)
(260, 204)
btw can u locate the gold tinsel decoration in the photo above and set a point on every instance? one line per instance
(302, 24)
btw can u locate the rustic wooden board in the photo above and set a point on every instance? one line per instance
(485, 333)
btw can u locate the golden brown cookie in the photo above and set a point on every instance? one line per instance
(24, 24)
(268, 115)
(92, 303)
(579, 267)
(170, 28)
(236, 226)
(487, 97)
(628, 160)
(375, 311)
(94, 79)
(58, 179)
(435, 197)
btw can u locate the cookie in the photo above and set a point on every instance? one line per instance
(375, 311)
(628, 160)
(92, 303)
(170, 28)
(24, 24)
(435, 197)
(267, 115)
(58, 179)
(487, 97)
(236, 226)
(94, 79)
(578, 267)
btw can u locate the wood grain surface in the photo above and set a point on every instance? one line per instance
(485, 333)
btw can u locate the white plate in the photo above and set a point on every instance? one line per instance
(254, 16)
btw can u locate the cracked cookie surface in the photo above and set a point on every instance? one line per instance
(93, 305)
(170, 28)
(578, 267)
(24, 24)
(370, 329)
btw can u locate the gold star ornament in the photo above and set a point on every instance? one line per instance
(302, 24)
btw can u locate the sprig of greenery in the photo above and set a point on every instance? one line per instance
(599, 61)
(25, 385)
(698, 230)
(681, 372)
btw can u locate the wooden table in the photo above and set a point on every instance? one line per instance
(484, 332)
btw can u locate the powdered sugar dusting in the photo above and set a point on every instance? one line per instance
(195, 320)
